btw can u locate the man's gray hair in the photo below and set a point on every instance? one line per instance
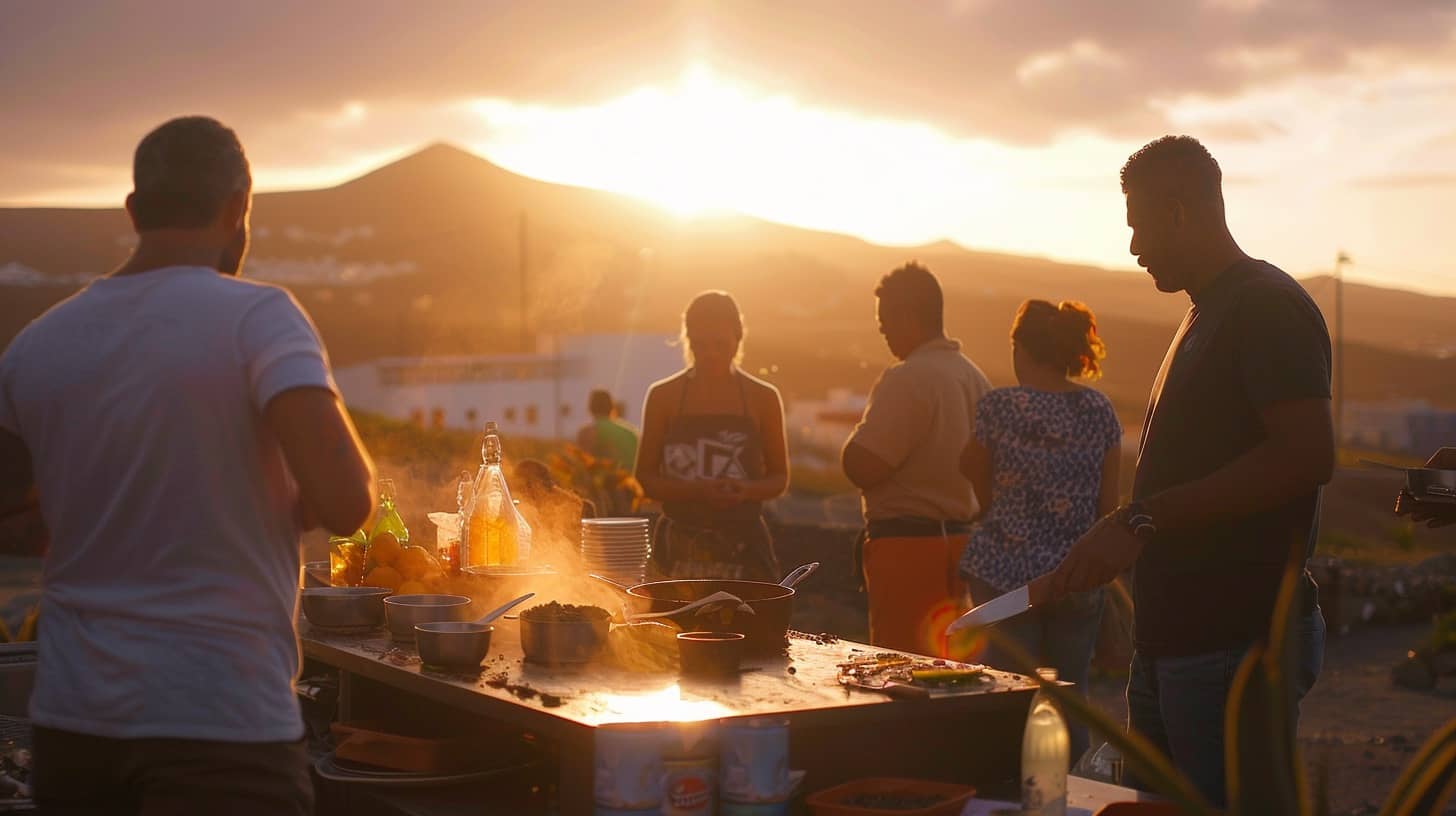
(185, 171)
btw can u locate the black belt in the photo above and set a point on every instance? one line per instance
(913, 527)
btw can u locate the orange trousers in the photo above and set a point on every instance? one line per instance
(915, 591)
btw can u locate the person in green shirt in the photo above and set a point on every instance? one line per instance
(607, 436)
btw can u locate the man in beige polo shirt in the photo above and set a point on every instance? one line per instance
(905, 457)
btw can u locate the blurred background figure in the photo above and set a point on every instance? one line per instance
(608, 436)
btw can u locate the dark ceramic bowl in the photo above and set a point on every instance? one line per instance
(710, 654)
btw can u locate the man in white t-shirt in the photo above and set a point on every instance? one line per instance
(181, 428)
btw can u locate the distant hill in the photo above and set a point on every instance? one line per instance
(423, 256)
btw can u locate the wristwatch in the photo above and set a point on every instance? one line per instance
(1136, 518)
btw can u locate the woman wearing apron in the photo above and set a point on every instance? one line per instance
(713, 450)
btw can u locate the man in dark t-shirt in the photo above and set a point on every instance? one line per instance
(1236, 445)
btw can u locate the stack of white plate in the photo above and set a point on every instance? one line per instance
(616, 547)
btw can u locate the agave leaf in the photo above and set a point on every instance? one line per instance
(1257, 753)
(1261, 756)
(1427, 782)
(1322, 788)
(1150, 765)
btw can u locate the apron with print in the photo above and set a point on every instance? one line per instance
(694, 539)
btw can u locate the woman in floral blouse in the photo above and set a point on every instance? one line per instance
(1044, 464)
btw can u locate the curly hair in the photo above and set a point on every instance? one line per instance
(1179, 167)
(1063, 336)
(914, 286)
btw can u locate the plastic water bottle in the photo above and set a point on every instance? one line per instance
(1045, 755)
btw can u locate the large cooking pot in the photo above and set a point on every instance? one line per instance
(763, 631)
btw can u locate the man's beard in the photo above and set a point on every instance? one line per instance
(230, 262)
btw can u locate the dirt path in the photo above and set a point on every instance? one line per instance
(1355, 722)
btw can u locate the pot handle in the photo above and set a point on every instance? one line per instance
(701, 606)
(604, 579)
(792, 579)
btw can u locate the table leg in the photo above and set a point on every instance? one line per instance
(346, 696)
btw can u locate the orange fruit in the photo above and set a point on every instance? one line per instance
(387, 577)
(384, 549)
(413, 562)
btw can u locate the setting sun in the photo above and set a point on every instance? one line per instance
(706, 143)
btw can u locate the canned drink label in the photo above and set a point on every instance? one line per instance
(688, 787)
(754, 759)
(628, 765)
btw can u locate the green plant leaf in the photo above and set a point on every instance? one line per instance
(1150, 765)
(1261, 755)
(1322, 788)
(1427, 782)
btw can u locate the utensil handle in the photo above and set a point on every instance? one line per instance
(609, 582)
(503, 608)
(799, 574)
(715, 598)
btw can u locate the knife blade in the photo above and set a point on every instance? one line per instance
(997, 609)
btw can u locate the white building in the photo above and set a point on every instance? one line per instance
(541, 395)
(1411, 427)
(820, 427)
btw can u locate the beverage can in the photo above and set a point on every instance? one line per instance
(689, 786)
(753, 759)
(628, 765)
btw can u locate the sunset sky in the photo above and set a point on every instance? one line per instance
(1000, 124)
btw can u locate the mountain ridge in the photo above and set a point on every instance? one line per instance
(424, 253)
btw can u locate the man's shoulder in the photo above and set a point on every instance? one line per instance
(62, 317)
(240, 290)
(954, 360)
(624, 426)
(1265, 289)
(1261, 278)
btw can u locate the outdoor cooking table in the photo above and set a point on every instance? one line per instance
(836, 734)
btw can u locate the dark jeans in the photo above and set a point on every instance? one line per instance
(83, 774)
(1061, 635)
(1178, 703)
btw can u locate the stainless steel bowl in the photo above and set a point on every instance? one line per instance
(344, 607)
(557, 642)
(455, 644)
(404, 612)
